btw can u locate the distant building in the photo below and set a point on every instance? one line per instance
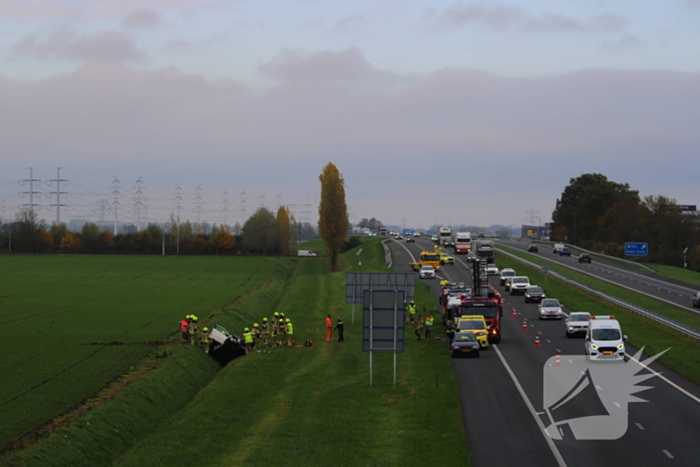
(536, 232)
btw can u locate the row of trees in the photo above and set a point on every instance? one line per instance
(263, 233)
(596, 213)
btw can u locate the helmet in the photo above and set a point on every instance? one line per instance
(264, 319)
(281, 315)
(205, 329)
(246, 330)
(276, 314)
(256, 325)
(288, 320)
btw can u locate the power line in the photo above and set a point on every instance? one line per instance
(58, 194)
(31, 191)
(115, 203)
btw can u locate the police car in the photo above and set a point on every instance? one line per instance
(604, 339)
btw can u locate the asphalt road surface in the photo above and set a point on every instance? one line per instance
(503, 403)
(665, 290)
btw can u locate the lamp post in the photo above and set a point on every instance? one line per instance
(685, 264)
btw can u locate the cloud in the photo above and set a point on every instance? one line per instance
(142, 18)
(65, 43)
(459, 15)
(350, 23)
(624, 43)
(530, 135)
(178, 47)
(39, 10)
(348, 65)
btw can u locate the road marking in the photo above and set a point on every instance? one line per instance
(656, 373)
(540, 425)
(617, 405)
(639, 425)
(569, 361)
(548, 341)
(598, 388)
(670, 456)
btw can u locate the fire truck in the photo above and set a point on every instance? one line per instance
(482, 299)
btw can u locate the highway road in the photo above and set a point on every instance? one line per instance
(502, 395)
(668, 291)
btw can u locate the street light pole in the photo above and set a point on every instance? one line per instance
(685, 264)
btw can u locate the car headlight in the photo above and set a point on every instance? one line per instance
(455, 347)
(594, 347)
(621, 346)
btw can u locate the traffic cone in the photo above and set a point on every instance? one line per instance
(537, 340)
(524, 328)
(557, 361)
(515, 313)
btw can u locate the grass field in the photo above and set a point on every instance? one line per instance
(302, 406)
(71, 324)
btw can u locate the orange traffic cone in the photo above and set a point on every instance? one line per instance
(524, 328)
(537, 340)
(515, 313)
(557, 361)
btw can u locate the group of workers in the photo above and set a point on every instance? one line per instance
(189, 327)
(421, 324)
(280, 329)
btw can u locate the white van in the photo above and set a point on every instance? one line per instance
(306, 253)
(558, 247)
(604, 339)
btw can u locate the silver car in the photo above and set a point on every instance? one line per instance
(550, 308)
(577, 322)
(427, 272)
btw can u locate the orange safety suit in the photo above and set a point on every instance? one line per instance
(329, 329)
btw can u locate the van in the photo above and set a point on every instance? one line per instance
(306, 253)
(604, 339)
(558, 247)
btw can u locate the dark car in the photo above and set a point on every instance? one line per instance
(696, 300)
(534, 294)
(533, 249)
(410, 240)
(465, 344)
(584, 258)
(564, 252)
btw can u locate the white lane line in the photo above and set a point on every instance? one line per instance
(540, 425)
(656, 373)
(548, 341)
(598, 388)
(569, 361)
(639, 425)
(668, 454)
(617, 405)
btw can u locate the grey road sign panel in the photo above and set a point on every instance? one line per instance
(636, 249)
(383, 318)
(356, 283)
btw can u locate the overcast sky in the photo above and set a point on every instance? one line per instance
(434, 112)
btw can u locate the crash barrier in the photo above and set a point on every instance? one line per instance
(675, 325)
(602, 255)
(387, 253)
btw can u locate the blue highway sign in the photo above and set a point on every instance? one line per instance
(636, 249)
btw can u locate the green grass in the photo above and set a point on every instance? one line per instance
(679, 274)
(312, 405)
(59, 315)
(684, 356)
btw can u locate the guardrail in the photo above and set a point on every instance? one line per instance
(675, 325)
(602, 255)
(387, 254)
